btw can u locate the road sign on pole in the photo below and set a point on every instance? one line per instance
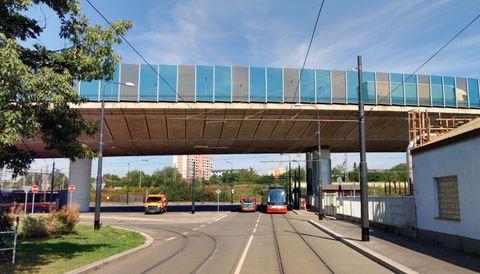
(34, 190)
(218, 191)
(71, 189)
(26, 189)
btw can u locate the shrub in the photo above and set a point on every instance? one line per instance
(63, 221)
(34, 227)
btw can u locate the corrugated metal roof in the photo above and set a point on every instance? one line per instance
(465, 131)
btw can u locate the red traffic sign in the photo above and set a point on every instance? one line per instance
(35, 188)
(71, 188)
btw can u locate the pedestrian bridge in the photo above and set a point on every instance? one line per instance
(188, 109)
(218, 109)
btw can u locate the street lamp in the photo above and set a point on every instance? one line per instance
(98, 189)
(231, 180)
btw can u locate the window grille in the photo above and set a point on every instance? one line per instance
(448, 199)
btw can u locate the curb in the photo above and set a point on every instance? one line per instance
(374, 256)
(103, 262)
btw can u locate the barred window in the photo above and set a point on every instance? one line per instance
(448, 200)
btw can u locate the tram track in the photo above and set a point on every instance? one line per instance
(182, 248)
(277, 247)
(309, 246)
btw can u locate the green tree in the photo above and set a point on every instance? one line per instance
(36, 94)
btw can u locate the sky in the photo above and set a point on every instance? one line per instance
(392, 36)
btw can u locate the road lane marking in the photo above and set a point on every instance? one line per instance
(247, 247)
(244, 255)
(171, 238)
(195, 229)
(202, 225)
(209, 222)
(221, 217)
(184, 233)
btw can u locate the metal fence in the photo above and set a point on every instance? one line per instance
(4, 242)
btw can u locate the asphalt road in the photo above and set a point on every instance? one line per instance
(234, 242)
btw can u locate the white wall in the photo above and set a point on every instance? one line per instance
(395, 211)
(461, 159)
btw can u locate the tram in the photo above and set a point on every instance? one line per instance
(275, 200)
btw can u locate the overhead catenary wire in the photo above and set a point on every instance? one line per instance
(309, 47)
(136, 51)
(427, 60)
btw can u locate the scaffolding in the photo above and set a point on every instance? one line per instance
(424, 126)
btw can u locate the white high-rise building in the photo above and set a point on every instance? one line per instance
(185, 163)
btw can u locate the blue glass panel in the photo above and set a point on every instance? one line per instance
(307, 86)
(223, 84)
(110, 88)
(148, 83)
(89, 90)
(324, 94)
(411, 89)
(274, 85)
(257, 84)
(449, 91)
(473, 95)
(369, 91)
(204, 83)
(167, 83)
(396, 89)
(437, 90)
(352, 87)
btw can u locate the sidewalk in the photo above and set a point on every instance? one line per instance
(414, 254)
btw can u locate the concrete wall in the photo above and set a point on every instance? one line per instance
(79, 175)
(392, 211)
(461, 159)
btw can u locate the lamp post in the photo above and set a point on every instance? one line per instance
(231, 181)
(98, 189)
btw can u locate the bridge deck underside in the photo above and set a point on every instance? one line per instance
(166, 131)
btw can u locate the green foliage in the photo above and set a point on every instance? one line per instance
(34, 227)
(36, 94)
(63, 222)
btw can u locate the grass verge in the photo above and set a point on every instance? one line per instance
(65, 253)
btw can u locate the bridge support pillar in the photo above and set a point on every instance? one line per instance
(326, 173)
(80, 172)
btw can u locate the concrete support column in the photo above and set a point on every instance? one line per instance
(80, 172)
(326, 171)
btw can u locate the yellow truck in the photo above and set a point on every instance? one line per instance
(155, 203)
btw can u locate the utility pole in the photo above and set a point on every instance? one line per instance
(128, 181)
(363, 160)
(98, 189)
(51, 186)
(231, 186)
(140, 182)
(165, 179)
(174, 181)
(193, 189)
(299, 189)
(319, 173)
(290, 183)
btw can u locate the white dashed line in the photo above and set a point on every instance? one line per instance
(209, 222)
(184, 233)
(221, 217)
(202, 225)
(195, 229)
(171, 238)
(245, 251)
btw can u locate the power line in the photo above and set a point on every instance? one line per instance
(428, 60)
(136, 51)
(309, 47)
